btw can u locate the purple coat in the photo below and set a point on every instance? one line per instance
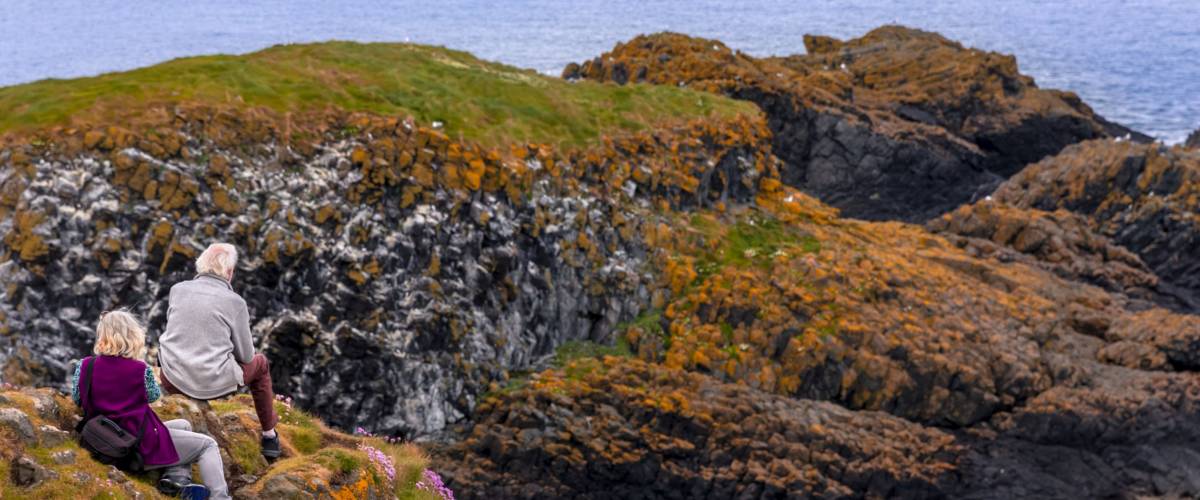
(119, 392)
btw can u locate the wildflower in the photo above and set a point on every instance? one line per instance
(382, 461)
(432, 482)
(286, 400)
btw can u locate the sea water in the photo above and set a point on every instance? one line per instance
(1135, 61)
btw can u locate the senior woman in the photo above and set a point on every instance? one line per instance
(121, 387)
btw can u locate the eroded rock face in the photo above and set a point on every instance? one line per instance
(1027, 381)
(1059, 241)
(899, 124)
(1142, 197)
(652, 432)
(391, 273)
(625, 428)
(1193, 140)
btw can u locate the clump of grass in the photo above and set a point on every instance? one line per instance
(306, 440)
(245, 452)
(751, 242)
(578, 349)
(341, 460)
(649, 322)
(482, 101)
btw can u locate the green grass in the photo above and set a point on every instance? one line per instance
(578, 349)
(343, 461)
(754, 241)
(650, 322)
(481, 101)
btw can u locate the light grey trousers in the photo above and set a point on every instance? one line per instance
(194, 447)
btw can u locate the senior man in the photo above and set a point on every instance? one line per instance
(206, 351)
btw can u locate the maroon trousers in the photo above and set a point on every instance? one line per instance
(257, 375)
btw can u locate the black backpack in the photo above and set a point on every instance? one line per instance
(107, 441)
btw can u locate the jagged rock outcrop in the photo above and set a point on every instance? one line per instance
(1193, 140)
(898, 124)
(1141, 197)
(392, 272)
(1059, 241)
(317, 462)
(1030, 383)
(650, 432)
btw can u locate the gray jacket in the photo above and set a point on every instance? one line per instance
(206, 339)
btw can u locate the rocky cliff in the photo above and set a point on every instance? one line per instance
(586, 289)
(898, 124)
(965, 375)
(392, 272)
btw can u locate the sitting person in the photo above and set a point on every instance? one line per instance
(121, 387)
(206, 351)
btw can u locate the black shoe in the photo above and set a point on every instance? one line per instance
(194, 492)
(171, 486)
(270, 446)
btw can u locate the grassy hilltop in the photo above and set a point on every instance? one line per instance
(480, 101)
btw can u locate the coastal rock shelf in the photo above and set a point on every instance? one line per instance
(898, 124)
(976, 375)
(1144, 197)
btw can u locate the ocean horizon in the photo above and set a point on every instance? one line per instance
(1130, 60)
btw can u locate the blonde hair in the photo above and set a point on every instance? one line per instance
(218, 259)
(119, 333)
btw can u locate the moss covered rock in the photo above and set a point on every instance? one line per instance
(898, 124)
(41, 457)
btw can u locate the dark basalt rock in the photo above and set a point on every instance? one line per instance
(899, 124)
(1193, 140)
(1142, 197)
(656, 433)
(1059, 241)
(653, 433)
(390, 275)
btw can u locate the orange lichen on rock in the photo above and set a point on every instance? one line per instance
(23, 239)
(885, 316)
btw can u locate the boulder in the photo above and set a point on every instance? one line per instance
(52, 436)
(63, 457)
(18, 423)
(27, 473)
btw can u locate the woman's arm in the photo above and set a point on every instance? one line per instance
(153, 391)
(75, 384)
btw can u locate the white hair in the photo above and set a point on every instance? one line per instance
(219, 259)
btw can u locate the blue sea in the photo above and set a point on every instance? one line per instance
(1136, 61)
